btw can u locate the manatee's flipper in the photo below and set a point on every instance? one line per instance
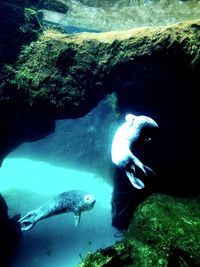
(149, 170)
(145, 169)
(137, 183)
(77, 218)
(28, 221)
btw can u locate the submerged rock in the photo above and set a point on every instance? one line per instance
(169, 225)
(154, 71)
(18, 26)
(10, 233)
(70, 74)
(164, 232)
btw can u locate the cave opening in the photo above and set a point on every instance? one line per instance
(75, 156)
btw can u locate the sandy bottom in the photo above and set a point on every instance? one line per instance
(55, 242)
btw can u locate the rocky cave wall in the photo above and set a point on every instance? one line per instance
(154, 71)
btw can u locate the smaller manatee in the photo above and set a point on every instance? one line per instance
(75, 201)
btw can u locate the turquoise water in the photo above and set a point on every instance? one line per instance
(74, 157)
(26, 184)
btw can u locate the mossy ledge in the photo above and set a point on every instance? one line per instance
(164, 232)
(62, 76)
(69, 74)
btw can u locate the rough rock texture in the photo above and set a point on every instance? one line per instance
(164, 232)
(63, 73)
(154, 71)
(82, 143)
(18, 26)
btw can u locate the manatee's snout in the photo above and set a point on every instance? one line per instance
(93, 201)
(90, 200)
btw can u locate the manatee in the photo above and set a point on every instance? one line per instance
(134, 129)
(75, 201)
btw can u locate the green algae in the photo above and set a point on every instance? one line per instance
(168, 224)
(67, 75)
(63, 72)
(162, 228)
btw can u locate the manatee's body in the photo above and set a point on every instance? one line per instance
(74, 201)
(133, 129)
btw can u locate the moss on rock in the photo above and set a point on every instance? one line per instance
(17, 28)
(70, 74)
(168, 224)
(164, 232)
(62, 75)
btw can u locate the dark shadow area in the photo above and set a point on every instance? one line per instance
(126, 198)
(10, 233)
(16, 29)
(168, 94)
(180, 258)
(167, 91)
(25, 126)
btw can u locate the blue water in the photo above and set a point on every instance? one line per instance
(26, 184)
(75, 156)
(75, 29)
(70, 29)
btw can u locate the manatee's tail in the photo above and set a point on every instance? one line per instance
(28, 221)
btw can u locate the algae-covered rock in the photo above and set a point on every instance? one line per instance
(164, 232)
(124, 253)
(60, 76)
(17, 28)
(70, 74)
(169, 225)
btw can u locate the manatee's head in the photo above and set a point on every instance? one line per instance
(87, 202)
(147, 121)
(148, 128)
(141, 121)
(129, 118)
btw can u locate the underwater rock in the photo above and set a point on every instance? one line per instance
(170, 226)
(164, 232)
(16, 23)
(18, 27)
(9, 233)
(74, 72)
(65, 76)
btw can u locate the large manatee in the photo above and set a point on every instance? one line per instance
(135, 128)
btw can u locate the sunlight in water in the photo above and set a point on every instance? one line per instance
(46, 179)
(26, 184)
(125, 14)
